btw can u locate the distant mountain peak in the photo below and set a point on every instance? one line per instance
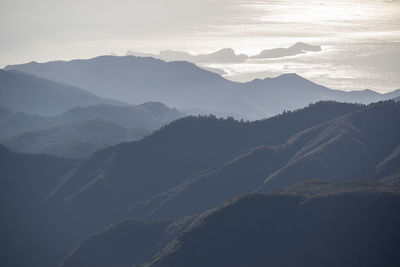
(305, 46)
(227, 50)
(290, 75)
(297, 48)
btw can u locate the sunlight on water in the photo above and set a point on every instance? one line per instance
(350, 67)
(360, 39)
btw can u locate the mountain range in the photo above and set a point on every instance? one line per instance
(307, 224)
(185, 86)
(352, 226)
(228, 55)
(289, 183)
(27, 236)
(82, 130)
(342, 149)
(181, 172)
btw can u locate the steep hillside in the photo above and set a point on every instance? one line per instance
(196, 163)
(25, 181)
(104, 187)
(352, 224)
(125, 243)
(360, 145)
(346, 227)
(350, 147)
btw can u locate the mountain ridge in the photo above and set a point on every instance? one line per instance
(26, 93)
(81, 130)
(186, 86)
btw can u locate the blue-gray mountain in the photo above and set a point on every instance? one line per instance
(337, 224)
(347, 148)
(228, 55)
(196, 163)
(82, 130)
(34, 95)
(351, 225)
(185, 86)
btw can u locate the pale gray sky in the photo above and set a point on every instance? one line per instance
(360, 36)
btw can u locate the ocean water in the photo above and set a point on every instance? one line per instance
(360, 38)
(344, 66)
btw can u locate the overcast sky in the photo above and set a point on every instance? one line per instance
(43, 30)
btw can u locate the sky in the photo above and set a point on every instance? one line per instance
(360, 38)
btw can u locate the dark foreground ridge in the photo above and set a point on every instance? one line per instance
(194, 164)
(314, 223)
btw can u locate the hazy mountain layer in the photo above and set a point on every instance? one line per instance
(296, 49)
(186, 86)
(82, 130)
(34, 95)
(74, 139)
(228, 55)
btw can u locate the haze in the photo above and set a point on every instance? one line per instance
(360, 39)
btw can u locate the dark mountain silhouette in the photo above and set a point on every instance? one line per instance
(352, 224)
(82, 130)
(361, 144)
(186, 86)
(368, 136)
(389, 167)
(25, 180)
(103, 188)
(347, 227)
(30, 94)
(123, 244)
(196, 163)
(297, 48)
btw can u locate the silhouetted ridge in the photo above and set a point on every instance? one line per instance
(307, 223)
(196, 163)
(104, 187)
(25, 180)
(354, 146)
(185, 86)
(356, 133)
(356, 227)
